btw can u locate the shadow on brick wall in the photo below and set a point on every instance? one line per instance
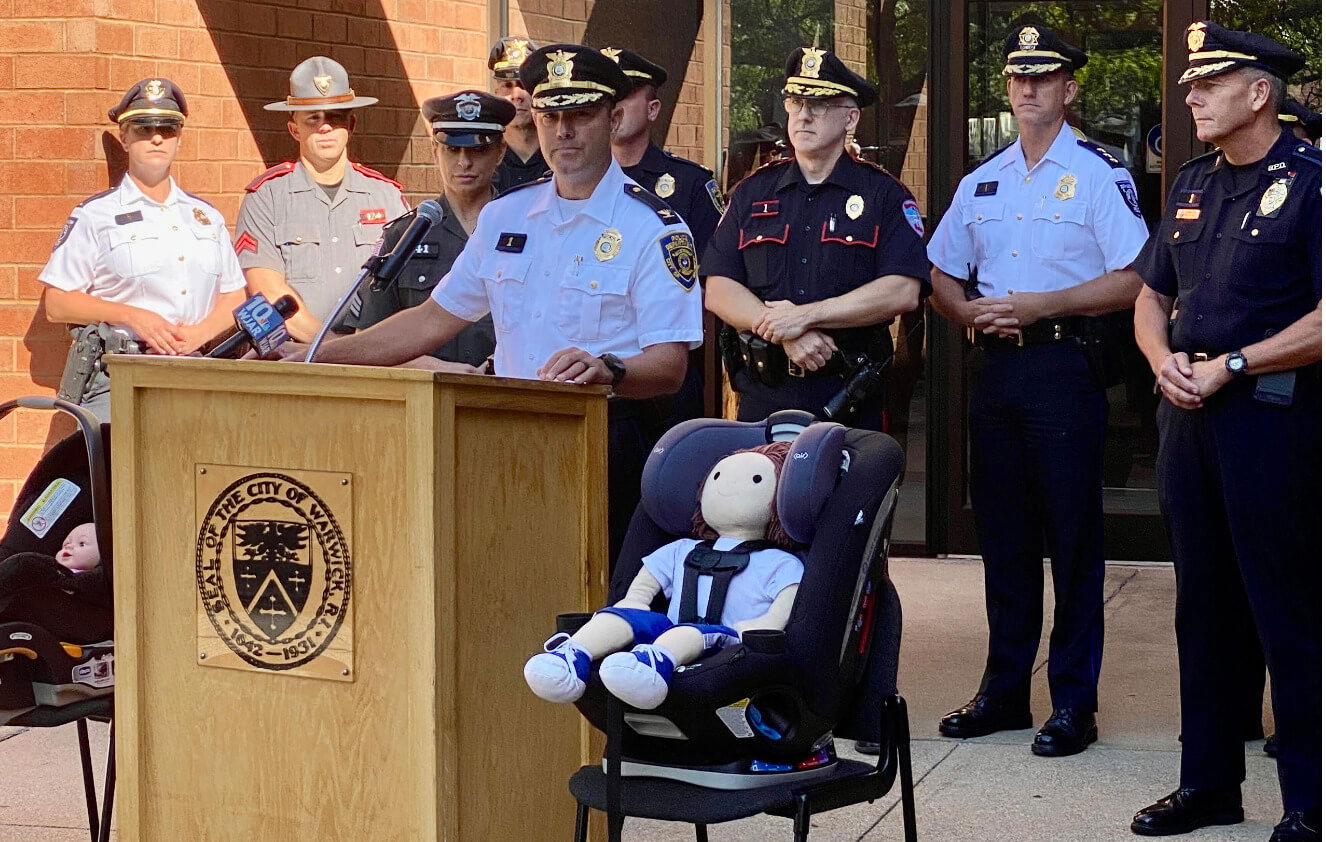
(260, 43)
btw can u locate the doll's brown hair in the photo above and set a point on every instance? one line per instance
(774, 532)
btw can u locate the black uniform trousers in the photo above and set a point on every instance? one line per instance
(756, 401)
(634, 427)
(1240, 490)
(1037, 453)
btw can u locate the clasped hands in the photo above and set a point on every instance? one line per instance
(1005, 316)
(1186, 384)
(790, 325)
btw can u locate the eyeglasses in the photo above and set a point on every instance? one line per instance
(166, 130)
(795, 105)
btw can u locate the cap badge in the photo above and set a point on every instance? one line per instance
(612, 53)
(322, 83)
(560, 65)
(1067, 187)
(201, 217)
(468, 106)
(1196, 36)
(666, 185)
(1029, 38)
(855, 206)
(154, 90)
(811, 62)
(516, 50)
(1274, 197)
(609, 243)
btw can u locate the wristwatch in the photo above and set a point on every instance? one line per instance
(1236, 364)
(616, 366)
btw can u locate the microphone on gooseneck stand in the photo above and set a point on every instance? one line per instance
(383, 268)
(259, 325)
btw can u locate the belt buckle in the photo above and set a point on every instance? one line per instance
(1200, 357)
(794, 370)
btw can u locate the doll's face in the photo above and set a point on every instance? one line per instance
(80, 548)
(738, 494)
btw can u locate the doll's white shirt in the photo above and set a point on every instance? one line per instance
(752, 590)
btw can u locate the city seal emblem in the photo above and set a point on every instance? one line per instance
(273, 572)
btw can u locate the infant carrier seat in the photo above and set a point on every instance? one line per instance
(750, 729)
(57, 661)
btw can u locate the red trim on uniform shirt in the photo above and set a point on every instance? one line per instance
(825, 238)
(742, 242)
(767, 207)
(246, 242)
(373, 216)
(372, 173)
(279, 170)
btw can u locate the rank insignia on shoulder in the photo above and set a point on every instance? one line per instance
(126, 218)
(715, 195)
(64, 232)
(608, 245)
(373, 216)
(665, 186)
(246, 242)
(201, 217)
(1274, 197)
(912, 212)
(512, 243)
(1067, 187)
(855, 206)
(987, 188)
(679, 257)
(1129, 194)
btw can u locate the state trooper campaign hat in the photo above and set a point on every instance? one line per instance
(640, 70)
(819, 74)
(320, 84)
(151, 102)
(1213, 50)
(1295, 113)
(468, 118)
(506, 56)
(563, 76)
(1033, 50)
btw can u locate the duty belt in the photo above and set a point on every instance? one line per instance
(1043, 332)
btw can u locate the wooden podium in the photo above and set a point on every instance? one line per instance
(327, 581)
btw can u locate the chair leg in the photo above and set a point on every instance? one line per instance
(903, 745)
(701, 833)
(108, 799)
(801, 821)
(613, 754)
(89, 783)
(582, 822)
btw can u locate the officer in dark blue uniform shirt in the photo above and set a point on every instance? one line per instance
(1301, 120)
(814, 256)
(467, 131)
(1238, 252)
(687, 187)
(523, 160)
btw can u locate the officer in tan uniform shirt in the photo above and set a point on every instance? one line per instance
(307, 226)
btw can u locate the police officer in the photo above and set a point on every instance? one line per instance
(1301, 120)
(467, 146)
(687, 187)
(523, 161)
(589, 277)
(306, 226)
(815, 256)
(143, 267)
(1238, 251)
(1036, 243)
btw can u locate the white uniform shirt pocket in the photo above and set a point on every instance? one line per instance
(1058, 230)
(135, 251)
(595, 305)
(206, 255)
(982, 218)
(504, 277)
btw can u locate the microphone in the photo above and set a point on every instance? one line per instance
(427, 215)
(257, 324)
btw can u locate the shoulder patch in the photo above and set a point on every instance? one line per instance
(714, 195)
(507, 192)
(665, 214)
(679, 257)
(96, 196)
(1307, 152)
(1129, 193)
(912, 213)
(372, 173)
(1100, 152)
(275, 172)
(64, 232)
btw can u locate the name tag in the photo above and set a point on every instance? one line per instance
(126, 218)
(987, 188)
(373, 216)
(428, 250)
(1188, 213)
(512, 243)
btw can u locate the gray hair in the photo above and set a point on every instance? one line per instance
(1277, 101)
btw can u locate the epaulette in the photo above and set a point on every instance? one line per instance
(688, 162)
(1100, 152)
(1200, 158)
(97, 196)
(1308, 152)
(198, 199)
(878, 168)
(372, 173)
(776, 162)
(275, 172)
(994, 154)
(541, 180)
(665, 213)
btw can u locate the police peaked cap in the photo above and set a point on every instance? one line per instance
(819, 74)
(1213, 50)
(639, 69)
(506, 56)
(468, 118)
(151, 102)
(563, 76)
(1294, 112)
(1032, 50)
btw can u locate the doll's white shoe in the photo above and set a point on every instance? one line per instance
(640, 677)
(558, 673)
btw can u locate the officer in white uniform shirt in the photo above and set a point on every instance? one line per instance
(1037, 243)
(589, 277)
(143, 267)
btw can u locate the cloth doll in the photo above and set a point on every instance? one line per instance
(737, 512)
(80, 552)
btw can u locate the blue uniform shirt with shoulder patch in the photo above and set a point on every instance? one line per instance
(679, 257)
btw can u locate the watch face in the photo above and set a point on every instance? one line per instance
(1236, 362)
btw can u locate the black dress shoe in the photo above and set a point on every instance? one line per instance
(867, 747)
(1298, 826)
(984, 715)
(1185, 810)
(1272, 747)
(1067, 731)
